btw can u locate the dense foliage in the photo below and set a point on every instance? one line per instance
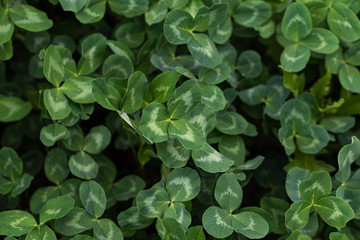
(179, 119)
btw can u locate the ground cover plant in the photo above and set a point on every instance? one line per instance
(179, 119)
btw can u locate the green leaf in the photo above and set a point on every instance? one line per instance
(11, 165)
(215, 75)
(195, 233)
(135, 91)
(249, 64)
(343, 22)
(213, 97)
(56, 103)
(93, 48)
(251, 164)
(178, 27)
(207, 18)
(78, 89)
(277, 208)
(56, 208)
(318, 186)
(204, 50)
(338, 236)
(321, 41)
(231, 123)
(352, 54)
(73, 5)
(293, 179)
(217, 222)
(7, 29)
(295, 113)
(54, 69)
(233, 147)
(52, 133)
(172, 153)
(105, 94)
(177, 211)
(162, 86)
(133, 220)
(189, 136)
(29, 18)
(128, 187)
(295, 57)
(296, 235)
(131, 34)
(228, 192)
(173, 229)
(6, 51)
(250, 224)
(157, 12)
(129, 8)
(153, 202)
(176, 4)
(221, 33)
(312, 139)
(5, 186)
(93, 198)
(210, 160)
(75, 222)
(97, 140)
(334, 211)
(183, 184)
(37, 41)
(252, 13)
(83, 166)
(21, 184)
(349, 78)
(348, 154)
(41, 232)
(297, 216)
(185, 97)
(16, 223)
(339, 124)
(202, 117)
(107, 229)
(13, 109)
(92, 12)
(56, 165)
(117, 66)
(296, 23)
(75, 141)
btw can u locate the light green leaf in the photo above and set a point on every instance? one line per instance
(195, 233)
(154, 122)
(107, 229)
(93, 198)
(29, 18)
(7, 29)
(339, 124)
(75, 141)
(207, 18)
(250, 224)
(153, 202)
(202, 117)
(210, 160)
(343, 22)
(56, 103)
(321, 40)
(296, 235)
(172, 229)
(183, 184)
(157, 12)
(177, 211)
(97, 140)
(338, 236)
(127, 187)
(5, 186)
(16, 223)
(52, 133)
(105, 94)
(121, 49)
(349, 78)
(204, 50)
(234, 148)
(129, 8)
(318, 186)
(231, 123)
(93, 48)
(73, 5)
(228, 192)
(6, 51)
(133, 220)
(56, 165)
(286, 137)
(172, 153)
(297, 216)
(92, 12)
(11, 165)
(83, 166)
(251, 164)
(172, 4)
(252, 13)
(41, 196)
(54, 69)
(221, 33)
(41, 232)
(185, 97)
(249, 64)
(21, 184)
(215, 75)
(334, 211)
(56, 208)
(217, 222)
(13, 109)
(178, 27)
(213, 97)
(162, 86)
(295, 57)
(293, 179)
(117, 66)
(348, 154)
(78, 89)
(136, 88)
(76, 221)
(189, 136)
(296, 23)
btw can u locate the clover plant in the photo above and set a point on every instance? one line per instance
(179, 119)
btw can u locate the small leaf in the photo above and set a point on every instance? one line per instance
(321, 41)
(162, 86)
(173, 229)
(252, 13)
(228, 192)
(21, 184)
(204, 50)
(92, 12)
(217, 222)
(13, 109)
(106, 95)
(295, 57)
(293, 179)
(183, 184)
(52, 133)
(107, 229)
(56, 208)
(153, 202)
(338, 236)
(78, 89)
(75, 222)
(56, 165)
(178, 212)
(213, 97)
(129, 8)
(249, 64)
(83, 166)
(250, 224)
(42, 232)
(352, 55)
(178, 26)
(157, 12)
(195, 233)
(93, 198)
(339, 124)
(29, 18)
(297, 216)
(318, 186)
(16, 223)
(349, 78)
(295, 113)
(172, 153)
(97, 140)
(136, 88)
(207, 18)
(128, 187)
(231, 123)
(312, 139)
(133, 220)
(189, 136)
(6, 51)
(11, 165)
(56, 103)
(7, 29)
(348, 154)
(73, 5)
(117, 66)
(221, 33)
(234, 148)
(215, 75)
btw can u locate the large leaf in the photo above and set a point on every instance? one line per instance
(349, 78)
(177, 27)
(189, 136)
(97, 140)
(250, 224)
(249, 64)
(347, 155)
(318, 186)
(56, 103)
(93, 198)
(295, 113)
(217, 222)
(152, 202)
(13, 109)
(295, 57)
(56, 165)
(107, 229)
(172, 153)
(183, 184)
(16, 223)
(231, 123)
(42, 232)
(204, 50)
(133, 220)
(106, 95)
(52, 133)
(76, 221)
(72, 5)
(162, 86)
(157, 12)
(177, 211)
(207, 18)
(117, 66)
(297, 216)
(213, 97)
(321, 41)
(7, 29)
(228, 192)
(293, 179)
(56, 208)
(29, 18)
(11, 165)
(54, 69)
(136, 87)
(83, 166)
(312, 139)
(78, 89)
(92, 12)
